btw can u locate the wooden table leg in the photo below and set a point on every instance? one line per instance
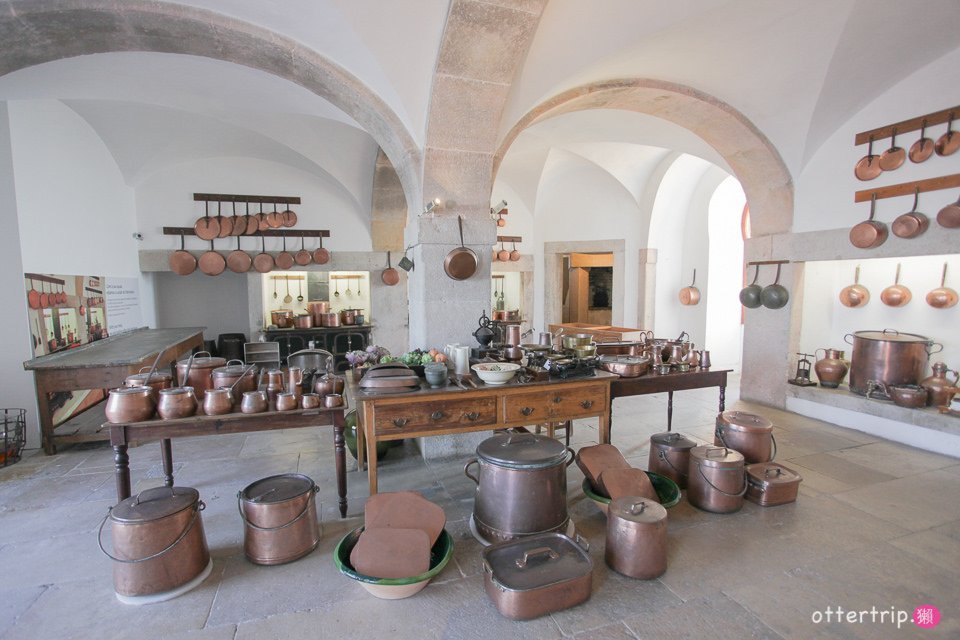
(669, 410)
(361, 441)
(121, 463)
(341, 461)
(604, 428)
(166, 454)
(723, 398)
(44, 414)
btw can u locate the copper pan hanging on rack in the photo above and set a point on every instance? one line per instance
(892, 158)
(949, 216)
(869, 166)
(239, 223)
(922, 149)
(275, 218)
(896, 295)
(911, 224)
(206, 228)
(211, 262)
(239, 261)
(263, 261)
(302, 257)
(855, 295)
(390, 277)
(288, 217)
(251, 222)
(949, 142)
(460, 263)
(870, 233)
(262, 224)
(285, 258)
(321, 255)
(182, 262)
(943, 297)
(226, 224)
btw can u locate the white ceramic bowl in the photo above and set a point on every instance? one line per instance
(496, 372)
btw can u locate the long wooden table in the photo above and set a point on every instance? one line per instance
(103, 365)
(451, 410)
(124, 434)
(670, 382)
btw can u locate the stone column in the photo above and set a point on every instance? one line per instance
(648, 288)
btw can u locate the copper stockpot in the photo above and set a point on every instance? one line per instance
(283, 318)
(328, 384)
(303, 321)
(888, 356)
(217, 402)
(177, 402)
(750, 434)
(254, 402)
(159, 380)
(715, 479)
(200, 370)
(158, 541)
(348, 316)
(670, 456)
(239, 374)
(939, 387)
(831, 369)
(279, 516)
(512, 468)
(636, 538)
(130, 404)
(286, 401)
(331, 319)
(317, 309)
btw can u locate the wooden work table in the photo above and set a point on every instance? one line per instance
(451, 410)
(124, 434)
(670, 382)
(103, 365)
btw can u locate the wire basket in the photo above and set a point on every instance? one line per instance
(14, 435)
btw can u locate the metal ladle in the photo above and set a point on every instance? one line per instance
(336, 289)
(287, 299)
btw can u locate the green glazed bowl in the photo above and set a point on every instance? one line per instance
(350, 437)
(667, 491)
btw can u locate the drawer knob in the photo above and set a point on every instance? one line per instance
(526, 411)
(473, 415)
(557, 399)
(586, 404)
(400, 422)
(437, 415)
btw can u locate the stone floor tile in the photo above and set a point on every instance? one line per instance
(715, 616)
(934, 547)
(14, 602)
(843, 470)
(915, 502)
(66, 558)
(894, 458)
(951, 529)
(616, 631)
(815, 480)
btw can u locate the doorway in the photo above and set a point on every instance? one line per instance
(588, 288)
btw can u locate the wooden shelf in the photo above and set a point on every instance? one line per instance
(229, 197)
(906, 126)
(908, 188)
(271, 233)
(509, 238)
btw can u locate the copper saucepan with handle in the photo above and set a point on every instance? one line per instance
(251, 223)
(690, 295)
(390, 276)
(238, 223)
(870, 233)
(949, 142)
(263, 261)
(943, 297)
(226, 224)
(896, 295)
(922, 149)
(321, 255)
(855, 295)
(182, 262)
(911, 224)
(892, 158)
(303, 257)
(868, 167)
(461, 263)
(239, 261)
(206, 228)
(211, 262)
(949, 216)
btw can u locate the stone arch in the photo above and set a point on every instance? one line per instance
(38, 31)
(751, 156)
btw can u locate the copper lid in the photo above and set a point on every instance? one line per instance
(638, 510)
(717, 457)
(235, 370)
(521, 450)
(535, 562)
(154, 504)
(131, 391)
(159, 376)
(279, 488)
(772, 473)
(746, 422)
(891, 336)
(673, 441)
(202, 363)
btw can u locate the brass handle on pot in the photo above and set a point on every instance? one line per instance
(535, 553)
(200, 506)
(732, 495)
(663, 456)
(637, 508)
(573, 455)
(437, 415)
(473, 415)
(400, 422)
(931, 345)
(586, 404)
(467, 473)
(526, 411)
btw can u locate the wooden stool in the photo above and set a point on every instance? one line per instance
(551, 427)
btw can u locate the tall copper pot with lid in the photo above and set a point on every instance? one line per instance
(888, 356)
(513, 468)
(235, 372)
(279, 516)
(159, 380)
(670, 456)
(748, 433)
(197, 372)
(716, 479)
(636, 538)
(158, 542)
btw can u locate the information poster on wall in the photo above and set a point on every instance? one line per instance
(123, 304)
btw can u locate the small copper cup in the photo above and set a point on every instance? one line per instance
(332, 400)
(286, 401)
(310, 401)
(253, 402)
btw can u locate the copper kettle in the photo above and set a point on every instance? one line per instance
(939, 387)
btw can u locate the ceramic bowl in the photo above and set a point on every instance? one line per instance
(393, 588)
(496, 372)
(667, 491)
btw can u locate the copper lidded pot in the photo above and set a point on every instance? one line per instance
(889, 357)
(197, 372)
(235, 372)
(636, 538)
(348, 316)
(716, 480)
(159, 380)
(303, 321)
(327, 384)
(748, 433)
(177, 402)
(279, 516)
(670, 456)
(130, 404)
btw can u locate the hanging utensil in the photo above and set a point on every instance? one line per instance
(514, 255)
(182, 262)
(774, 296)
(299, 289)
(390, 276)
(943, 297)
(264, 263)
(33, 297)
(321, 255)
(893, 157)
(275, 287)
(239, 261)
(206, 228)
(922, 149)
(44, 298)
(854, 295)
(359, 282)
(750, 294)
(251, 222)
(911, 224)
(303, 257)
(949, 142)
(870, 233)
(285, 258)
(274, 219)
(460, 263)
(239, 223)
(690, 295)
(262, 224)
(896, 295)
(868, 167)
(288, 217)
(287, 299)
(226, 224)
(349, 281)
(496, 255)
(949, 216)
(503, 255)
(211, 262)
(336, 288)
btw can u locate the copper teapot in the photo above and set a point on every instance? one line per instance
(940, 389)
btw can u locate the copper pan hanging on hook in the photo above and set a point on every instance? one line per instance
(868, 167)
(870, 233)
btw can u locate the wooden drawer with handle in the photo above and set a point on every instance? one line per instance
(408, 418)
(579, 401)
(550, 404)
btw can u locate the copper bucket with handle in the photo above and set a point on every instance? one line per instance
(279, 516)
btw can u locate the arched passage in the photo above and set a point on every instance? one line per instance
(38, 31)
(750, 155)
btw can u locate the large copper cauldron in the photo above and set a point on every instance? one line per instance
(158, 541)
(279, 518)
(889, 357)
(515, 468)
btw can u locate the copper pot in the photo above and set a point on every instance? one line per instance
(332, 400)
(716, 480)
(239, 376)
(331, 319)
(303, 321)
(217, 402)
(286, 401)
(197, 372)
(254, 402)
(896, 295)
(328, 384)
(282, 318)
(317, 309)
(309, 401)
(832, 369)
(888, 356)
(279, 516)
(348, 316)
(513, 467)
(748, 433)
(670, 456)
(636, 538)
(159, 380)
(158, 541)
(130, 404)
(939, 387)
(870, 233)
(177, 402)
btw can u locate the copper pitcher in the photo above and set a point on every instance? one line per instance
(939, 387)
(831, 369)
